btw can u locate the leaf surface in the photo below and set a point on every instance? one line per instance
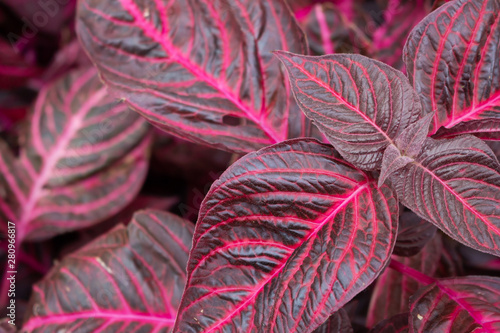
(290, 222)
(396, 324)
(338, 322)
(129, 280)
(453, 61)
(458, 305)
(201, 70)
(455, 184)
(85, 157)
(358, 103)
(413, 233)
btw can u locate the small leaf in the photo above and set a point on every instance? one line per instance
(391, 162)
(361, 105)
(288, 222)
(396, 324)
(201, 70)
(452, 60)
(129, 280)
(458, 305)
(455, 184)
(410, 142)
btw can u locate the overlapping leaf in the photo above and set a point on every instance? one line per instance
(455, 184)
(453, 61)
(458, 305)
(396, 324)
(393, 290)
(284, 238)
(85, 158)
(129, 280)
(413, 233)
(202, 70)
(338, 322)
(360, 104)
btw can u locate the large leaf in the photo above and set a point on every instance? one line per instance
(85, 158)
(129, 280)
(458, 305)
(288, 222)
(453, 61)
(360, 104)
(202, 70)
(393, 290)
(455, 184)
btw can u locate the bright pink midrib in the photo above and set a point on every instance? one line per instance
(50, 161)
(325, 31)
(493, 101)
(462, 201)
(37, 322)
(201, 74)
(278, 270)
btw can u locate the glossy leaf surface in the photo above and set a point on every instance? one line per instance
(453, 61)
(458, 305)
(129, 280)
(455, 184)
(290, 229)
(202, 70)
(85, 158)
(360, 104)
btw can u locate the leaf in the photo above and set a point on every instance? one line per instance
(455, 184)
(288, 222)
(393, 290)
(458, 305)
(338, 322)
(396, 324)
(485, 129)
(413, 234)
(452, 60)
(329, 31)
(360, 104)
(201, 70)
(14, 68)
(129, 280)
(84, 159)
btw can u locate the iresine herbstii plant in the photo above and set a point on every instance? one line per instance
(295, 229)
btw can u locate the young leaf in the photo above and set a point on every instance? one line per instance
(288, 222)
(201, 70)
(393, 290)
(85, 158)
(455, 184)
(360, 104)
(458, 305)
(453, 61)
(129, 280)
(338, 322)
(413, 233)
(396, 324)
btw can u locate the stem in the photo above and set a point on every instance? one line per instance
(410, 272)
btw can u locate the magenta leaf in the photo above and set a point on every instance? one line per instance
(396, 324)
(129, 280)
(360, 104)
(413, 234)
(454, 184)
(338, 322)
(84, 159)
(201, 70)
(452, 60)
(329, 31)
(393, 290)
(288, 222)
(458, 305)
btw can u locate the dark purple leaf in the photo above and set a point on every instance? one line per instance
(201, 70)
(391, 162)
(288, 222)
(84, 159)
(360, 104)
(397, 324)
(393, 290)
(329, 31)
(14, 68)
(339, 322)
(485, 129)
(452, 58)
(129, 280)
(413, 233)
(458, 305)
(455, 184)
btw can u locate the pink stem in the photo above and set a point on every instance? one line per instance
(410, 272)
